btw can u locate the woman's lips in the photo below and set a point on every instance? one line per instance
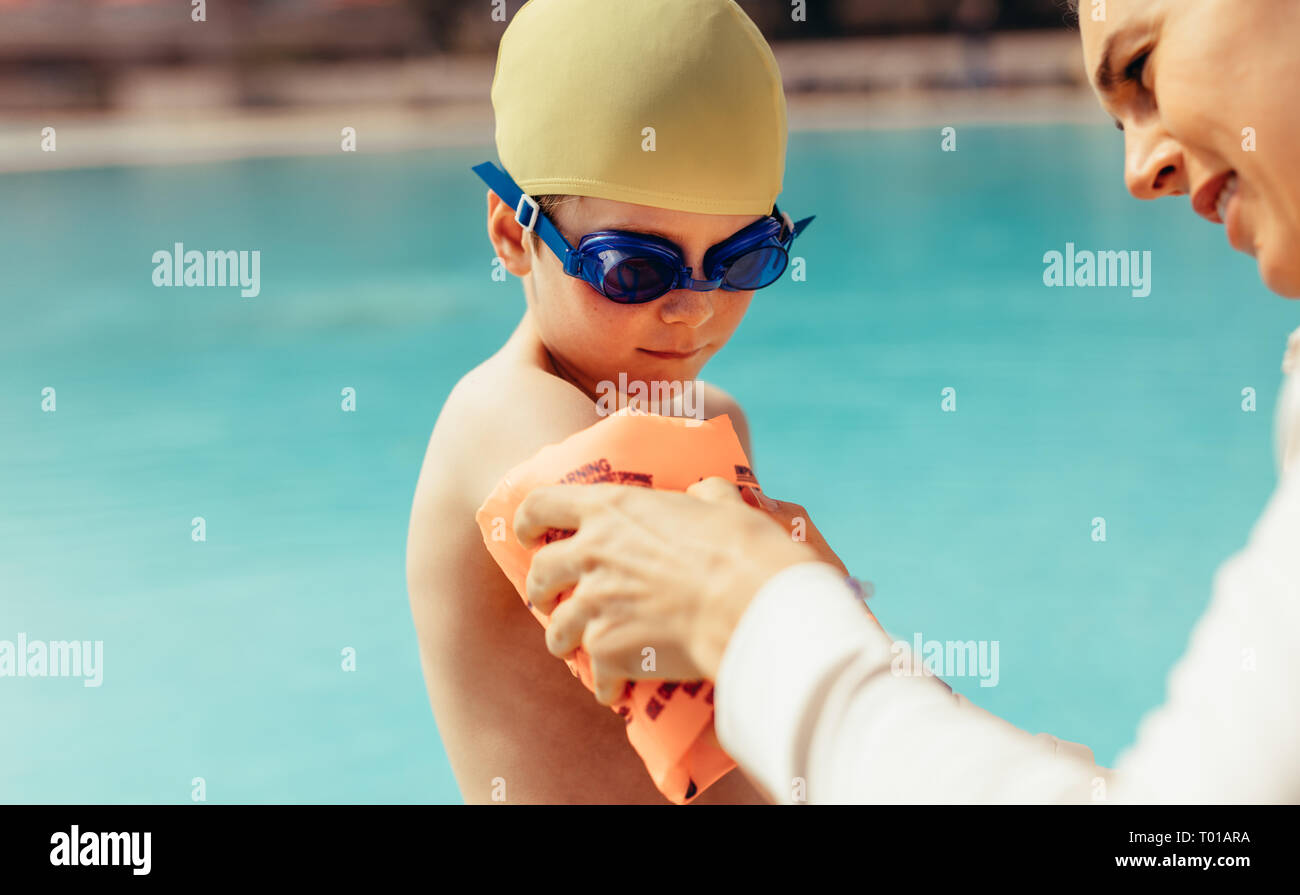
(1237, 237)
(671, 355)
(1206, 202)
(1218, 201)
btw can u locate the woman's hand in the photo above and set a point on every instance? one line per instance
(792, 517)
(660, 579)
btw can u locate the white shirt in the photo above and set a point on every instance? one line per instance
(809, 703)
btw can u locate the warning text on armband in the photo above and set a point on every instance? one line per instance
(601, 471)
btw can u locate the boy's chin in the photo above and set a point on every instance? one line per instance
(650, 368)
(654, 372)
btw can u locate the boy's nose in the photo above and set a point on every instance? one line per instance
(686, 306)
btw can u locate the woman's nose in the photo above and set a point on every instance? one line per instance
(1153, 163)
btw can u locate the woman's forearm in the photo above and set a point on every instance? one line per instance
(810, 701)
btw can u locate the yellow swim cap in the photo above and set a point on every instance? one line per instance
(578, 82)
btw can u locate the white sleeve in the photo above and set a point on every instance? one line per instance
(812, 701)
(1229, 730)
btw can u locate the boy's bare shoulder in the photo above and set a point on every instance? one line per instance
(504, 410)
(499, 414)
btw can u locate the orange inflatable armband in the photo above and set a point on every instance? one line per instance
(669, 724)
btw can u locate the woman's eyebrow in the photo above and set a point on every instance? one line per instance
(1106, 78)
(1109, 75)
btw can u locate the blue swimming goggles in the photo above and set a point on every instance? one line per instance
(633, 268)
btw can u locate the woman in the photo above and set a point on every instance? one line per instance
(808, 698)
(1207, 93)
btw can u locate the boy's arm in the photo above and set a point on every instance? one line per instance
(513, 719)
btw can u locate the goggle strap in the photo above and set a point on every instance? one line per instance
(509, 192)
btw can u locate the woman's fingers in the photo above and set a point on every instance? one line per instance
(555, 569)
(623, 569)
(568, 623)
(544, 509)
(608, 689)
(563, 507)
(715, 489)
(569, 626)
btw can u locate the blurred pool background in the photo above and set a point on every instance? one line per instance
(222, 659)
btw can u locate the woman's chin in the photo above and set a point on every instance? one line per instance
(1280, 272)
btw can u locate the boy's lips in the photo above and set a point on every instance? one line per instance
(672, 355)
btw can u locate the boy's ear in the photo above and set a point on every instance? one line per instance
(508, 237)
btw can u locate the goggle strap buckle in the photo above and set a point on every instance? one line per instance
(527, 201)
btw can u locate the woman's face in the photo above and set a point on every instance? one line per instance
(592, 339)
(1186, 79)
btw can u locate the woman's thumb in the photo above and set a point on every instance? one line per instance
(715, 489)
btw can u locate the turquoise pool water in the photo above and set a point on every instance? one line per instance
(222, 659)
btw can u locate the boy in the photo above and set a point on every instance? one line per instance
(655, 139)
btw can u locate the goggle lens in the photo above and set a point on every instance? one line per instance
(634, 280)
(755, 269)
